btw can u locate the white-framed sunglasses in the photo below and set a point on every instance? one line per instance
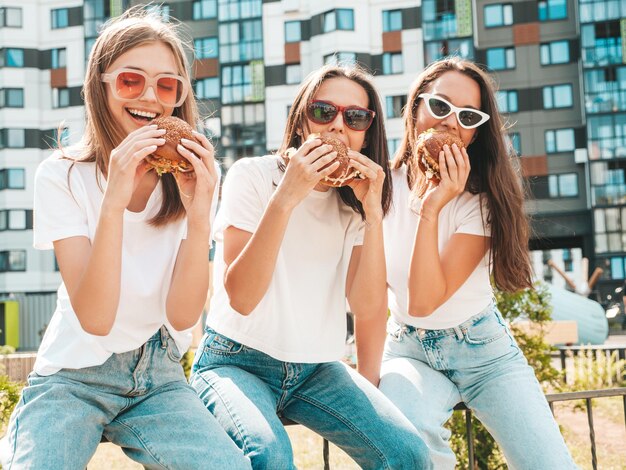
(439, 108)
(131, 84)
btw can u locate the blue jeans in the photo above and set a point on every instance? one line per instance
(247, 390)
(138, 400)
(427, 372)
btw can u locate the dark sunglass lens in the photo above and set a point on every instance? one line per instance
(438, 107)
(322, 112)
(357, 119)
(469, 118)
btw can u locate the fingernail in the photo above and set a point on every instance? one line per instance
(185, 141)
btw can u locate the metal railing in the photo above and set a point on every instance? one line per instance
(586, 395)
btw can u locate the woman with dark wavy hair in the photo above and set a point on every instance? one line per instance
(444, 238)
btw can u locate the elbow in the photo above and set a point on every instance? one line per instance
(242, 307)
(180, 325)
(96, 330)
(420, 309)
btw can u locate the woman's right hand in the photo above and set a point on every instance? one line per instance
(127, 165)
(304, 172)
(454, 169)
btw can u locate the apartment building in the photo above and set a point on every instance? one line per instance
(559, 65)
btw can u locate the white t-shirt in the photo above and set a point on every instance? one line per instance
(148, 257)
(461, 215)
(302, 316)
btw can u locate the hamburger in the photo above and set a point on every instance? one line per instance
(429, 144)
(344, 174)
(166, 158)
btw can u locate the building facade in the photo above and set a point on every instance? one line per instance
(559, 64)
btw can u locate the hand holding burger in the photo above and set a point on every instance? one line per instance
(429, 144)
(166, 158)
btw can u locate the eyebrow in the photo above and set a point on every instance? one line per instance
(449, 99)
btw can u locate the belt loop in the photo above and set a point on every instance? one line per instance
(459, 333)
(163, 336)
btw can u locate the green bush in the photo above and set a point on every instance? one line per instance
(534, 305)
(9, 396)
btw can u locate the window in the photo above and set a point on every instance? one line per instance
(564, 185)
(392, 63)
(507, 101)
(339, 19)
(293, 74)
(13, 58)
(498, 15)
(516, 142)
(12, 260)
(392, 20)
(239, 9)
(207, 88)
(60, 97)
(550, 10)
(346, 58)
(12, 138)
(556, 52)
(163, 10)
(58, 60)
(10, 17)
(558, 96)
(12, 178)
(16, 219)
(12, 98)
(395, 105)
(501, 58)
(237, 83)
(560, 140)
(435, 50)
(204, 9)
(241, 41)
(60, 18)
(293, 32)
(205, 48)
(392, 146)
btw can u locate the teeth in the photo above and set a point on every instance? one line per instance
(147, 114)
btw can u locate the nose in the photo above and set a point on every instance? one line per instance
(450, 121)
(149, 94)
(337, 124)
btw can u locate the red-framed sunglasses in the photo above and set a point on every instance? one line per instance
(355, 117)
(131, 84)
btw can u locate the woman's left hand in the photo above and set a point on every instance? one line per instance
(369, 188)
(196, 187)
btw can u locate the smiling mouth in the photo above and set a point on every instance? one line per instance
(145, 116)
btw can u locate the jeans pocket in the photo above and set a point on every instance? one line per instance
(395, 331)
(172, 350)
(221, 345)
(486, 330)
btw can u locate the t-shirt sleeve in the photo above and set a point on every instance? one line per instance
(243, 197)
(57, 209)
(473, 215)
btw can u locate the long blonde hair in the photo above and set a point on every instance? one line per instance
(136, 27)
(492, 173)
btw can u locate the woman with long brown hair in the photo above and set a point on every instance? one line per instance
(445, 235)
(133, 255)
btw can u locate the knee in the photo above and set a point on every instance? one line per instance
(270, 452)
(414, 454)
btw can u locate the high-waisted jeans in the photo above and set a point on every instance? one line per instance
(427, 372)
(247, 390)
(138, 400)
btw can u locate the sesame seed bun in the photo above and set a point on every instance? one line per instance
(166, 158)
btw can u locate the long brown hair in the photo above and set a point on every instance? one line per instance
(376, 139)
(136, 27)
(492, 174)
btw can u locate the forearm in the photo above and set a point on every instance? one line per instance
(96, 297)
(190, 280)
(367, 294)
(370, 341)
(426, 282)
(248, 277)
